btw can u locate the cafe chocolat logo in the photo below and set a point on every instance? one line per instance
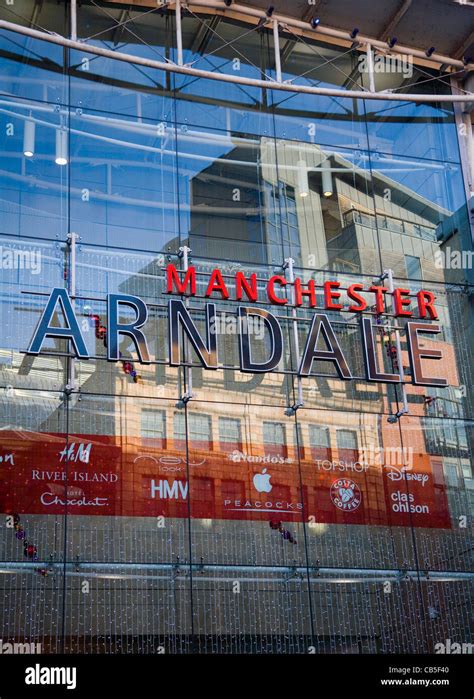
(246, 290)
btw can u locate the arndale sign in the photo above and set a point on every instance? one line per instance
(321, 329)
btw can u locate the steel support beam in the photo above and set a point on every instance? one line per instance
(461, 50)
(227, 78)
(370, 68)
(276, 47)
(403, 9)
(73, 20)
(179, 34)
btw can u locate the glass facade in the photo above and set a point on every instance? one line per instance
(136, 521)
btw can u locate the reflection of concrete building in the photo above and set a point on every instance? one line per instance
(323, 206)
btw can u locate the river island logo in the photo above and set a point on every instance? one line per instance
(261, 482)
(345, 494)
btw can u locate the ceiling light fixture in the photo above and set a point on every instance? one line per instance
(61, 147)
(29, 138)
(326, 180)
(302, 186)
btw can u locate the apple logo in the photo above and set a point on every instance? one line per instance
(261, 482)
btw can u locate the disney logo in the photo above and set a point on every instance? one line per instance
(400, 474)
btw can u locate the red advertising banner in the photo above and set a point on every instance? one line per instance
(101, 475)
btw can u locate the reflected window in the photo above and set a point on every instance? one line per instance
(282, 223)
(274, 438)
(179, 427)
(230, 434)
(466, 470)
(153, 425)
(199, 426)
(298, 441)
(319, 436)
(319, 440)
(346, 439)
(451, 474)
(413, 267)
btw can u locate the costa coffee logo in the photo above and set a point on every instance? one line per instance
(346, 494)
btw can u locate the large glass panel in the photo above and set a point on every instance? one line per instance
(221, 46)
(318, 119)
(250, 592)
(422, 218)
(127, 545)
(34, 491)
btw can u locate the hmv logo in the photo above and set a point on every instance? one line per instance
(177, 490)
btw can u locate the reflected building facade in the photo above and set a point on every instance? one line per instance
(267, 513)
